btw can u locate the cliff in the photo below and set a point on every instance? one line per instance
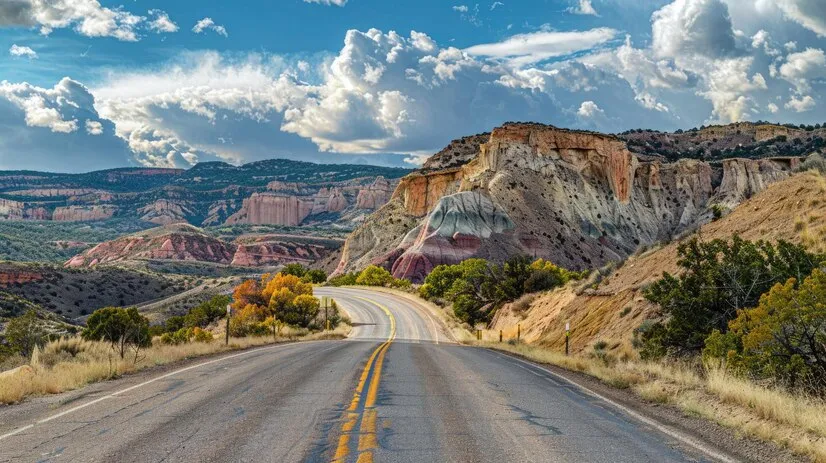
(272, 209)
(83, 213)
(577, 198)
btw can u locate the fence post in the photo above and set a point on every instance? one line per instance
(500, 335)
(518, 331)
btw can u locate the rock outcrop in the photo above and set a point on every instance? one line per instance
(16, 210)
(375, 195)
(272, 209)
(83, 213)
(580, 199)
(164, 212)
(11, 276)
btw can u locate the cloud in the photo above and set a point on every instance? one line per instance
(810, 14)
(161, 23)
(94, 127)
(87, 17)
(589, 109)
(585, 7)
(461, 8)
(773, 108)
(18, 50)
(208, 23)
(39, 129)
(328, 2)
(801, 105)
(800, 68)
(495, 5)
(538, 46)
(693, 27)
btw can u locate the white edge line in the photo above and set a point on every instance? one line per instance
(639, 417)
(130, 388)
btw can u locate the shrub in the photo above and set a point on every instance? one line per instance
(24, 333)
(122, 328)
(345, 279)
(719, 279)
(315, 276)
(374, 276)
(294, 269)
(301, 312)
(782, 339)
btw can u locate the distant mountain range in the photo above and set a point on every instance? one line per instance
(207, 194)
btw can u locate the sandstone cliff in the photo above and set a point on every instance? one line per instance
(577, 198)
(83, 213)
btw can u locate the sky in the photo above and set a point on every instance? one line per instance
(95, 84)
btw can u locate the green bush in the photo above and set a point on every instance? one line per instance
(315, 276)
(719, 278)
(24, 333)
(122, 328)
(783, 339)
(374, 276)
(345, 279)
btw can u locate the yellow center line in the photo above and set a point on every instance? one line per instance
(368, 440)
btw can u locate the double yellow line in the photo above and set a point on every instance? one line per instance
(362, 409)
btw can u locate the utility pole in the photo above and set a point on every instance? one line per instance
(229, 314)
(567, 335)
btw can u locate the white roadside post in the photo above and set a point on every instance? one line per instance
(567, 335)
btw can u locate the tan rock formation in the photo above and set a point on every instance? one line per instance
(375, 195)
(272, 209)
(164, 212)
(83, 213)
(579, 199)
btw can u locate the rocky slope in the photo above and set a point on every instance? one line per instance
(580, 199)
(185, 243)
(791, 209)
(209, 194)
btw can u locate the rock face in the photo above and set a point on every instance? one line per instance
(294, 204)
(83, 213)
(272, 209)
(274, 250)
(10, 276)
(375, 195)
(164, 212)
(461, 225)
(15, 210)
(579, 199)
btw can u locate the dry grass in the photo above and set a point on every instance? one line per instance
(790, 420)
(71, 363)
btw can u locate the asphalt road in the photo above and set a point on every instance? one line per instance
(398, 391)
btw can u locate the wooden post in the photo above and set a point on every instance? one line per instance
(500, 335)
(229, 314)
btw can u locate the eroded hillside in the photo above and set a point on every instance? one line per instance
(579, 199)
(793, 209)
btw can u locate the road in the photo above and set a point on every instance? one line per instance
(397, 391)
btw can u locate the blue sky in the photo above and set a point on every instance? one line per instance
(90, 84)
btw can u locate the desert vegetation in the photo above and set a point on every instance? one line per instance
(476, 288)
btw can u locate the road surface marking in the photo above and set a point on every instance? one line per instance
(136, 386)
(367, 413)
(648, 421)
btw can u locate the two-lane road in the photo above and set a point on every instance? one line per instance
(398, 390)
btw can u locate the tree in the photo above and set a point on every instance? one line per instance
(207, 312)
(302, 312)
(784, 338)
(719, 278)
(374, 276)
(25, 332)
(248, 292)
(122, 328)
(315, 276)
(294, 269)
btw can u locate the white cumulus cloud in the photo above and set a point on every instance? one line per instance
(19, 50)
(87, 17)
(161, 22)
(209, 24)
(537, 46)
